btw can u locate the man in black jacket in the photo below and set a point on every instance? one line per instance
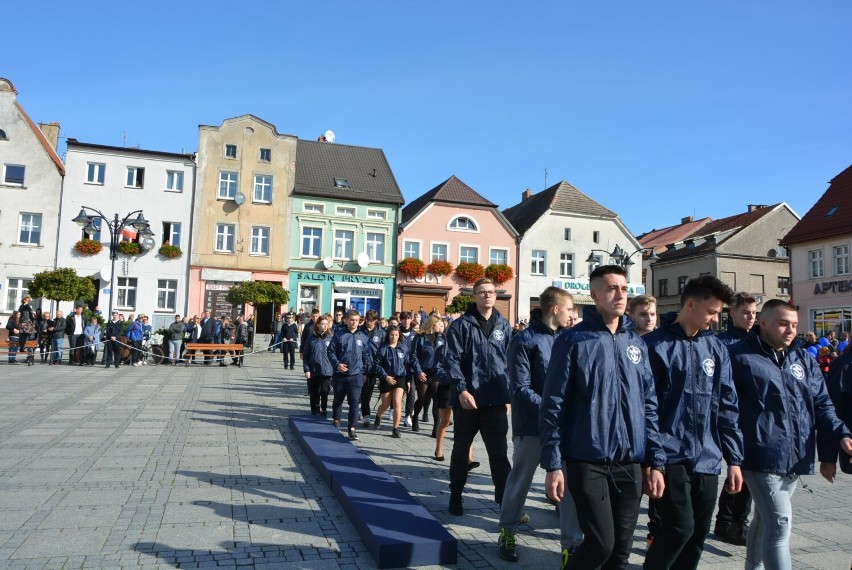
(290, 338)
(74, 326)
(57, 330)
(112, 350)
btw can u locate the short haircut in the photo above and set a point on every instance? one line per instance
(741, 299)
(552, 297)
(640, 301)
(772, 305)
(706, 287)
(315, 311)
(353, 313)
(480, 282)
(405, 315)
(607, 270)
(372, 314)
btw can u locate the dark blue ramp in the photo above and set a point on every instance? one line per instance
(397, 530)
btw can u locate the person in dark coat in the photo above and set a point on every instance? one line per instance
(57, 341)
(317, 367)
(350, 357)
(112, 347)
(290, 338)
(392, 366)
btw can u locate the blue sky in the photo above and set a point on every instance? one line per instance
(657, 110)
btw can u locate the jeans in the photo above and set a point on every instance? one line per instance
(174, 350)
(685, 511)
(13, 348)
(348, 387)
(493, 423)
(607, 499)
(769, 536)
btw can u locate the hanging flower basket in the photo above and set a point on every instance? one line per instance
(439, 267)
(470, 271)
(170, 251)
(129, 248)
(412, 267)
(499, 273)
(88, 247)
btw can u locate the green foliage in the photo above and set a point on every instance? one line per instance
(258, 293)
(88, 314)
(459, 304)
(62, 285)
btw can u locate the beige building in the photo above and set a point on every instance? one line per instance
(742, 250)
(241, 214)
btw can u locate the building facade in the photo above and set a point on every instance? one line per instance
(454, 223)
(31, 175)
(820, 269)
(119, 181)
(559, 228)
(346, 208)
(242, 202)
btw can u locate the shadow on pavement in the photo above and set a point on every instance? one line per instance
(240, 554)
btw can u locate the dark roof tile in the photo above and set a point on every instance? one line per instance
(561, 197)
(452, 191)
(817, 223)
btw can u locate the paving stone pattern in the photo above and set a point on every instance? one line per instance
(163, 467)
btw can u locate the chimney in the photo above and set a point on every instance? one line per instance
(526, 194)
(686, 219)
(753, 207)
(51, 131)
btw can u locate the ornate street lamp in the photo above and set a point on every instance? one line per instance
(620, 257)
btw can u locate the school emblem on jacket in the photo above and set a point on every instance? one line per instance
(498, 334)
(400, 354)
(634, 354)
(797, 371)
(358, 342)
(709, 366)
(328, 342)
(376, 339)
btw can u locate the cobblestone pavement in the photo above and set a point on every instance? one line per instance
(163, 466)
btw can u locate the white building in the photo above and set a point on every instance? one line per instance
(30, 191)
(559, 228)
(117, 180)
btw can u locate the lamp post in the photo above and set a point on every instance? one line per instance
(620, 257)
(87, 222)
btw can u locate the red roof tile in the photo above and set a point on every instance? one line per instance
(830, 216)
(659, 239)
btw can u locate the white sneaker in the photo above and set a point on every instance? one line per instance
(407, 421)
(144, 362)
(366, 421)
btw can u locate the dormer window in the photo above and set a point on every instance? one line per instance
(831, 211)
(463, 223)
(341, 183)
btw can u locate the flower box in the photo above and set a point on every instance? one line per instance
(129, 248)
(170, 251)
(499, 273)
(439, 267)
(470, 271)
(412, 267)
(88, 247)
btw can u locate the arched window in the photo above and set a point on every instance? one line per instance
(463, 223)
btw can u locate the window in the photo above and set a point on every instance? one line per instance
(538, 258)
(171, 233)
(346, 211)
(411, 249)
(841, 259)
(227, 185)
(832, 211)
(16, 290)
(125, 293)
(230, 151)
(837, 319)
(439, 251)
(567, 234)
(135, 177)
(681, 284)
(663, 287)
(30, 230)
(3, 136)
(259, 240)
(815, 263)
(341, 183)
(14, 175)
(783, 285)
(95, 236)
(566, 265)
(343, 243)
(596, 237)
(498, 256)
(315, 208)
(468, 254)
(376, 247)
(95, 173)
(263, 188)
(174, 180)
(377, 214)
(463, 223)
(265, 155)
(311, 242)
(166, 294)
(225, 237)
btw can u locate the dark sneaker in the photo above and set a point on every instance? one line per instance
(415, 423)
(395, 433)
(456, 506)
(731, 534)
(378, 423)
(352, 435)
(566, 556)
(506, 543)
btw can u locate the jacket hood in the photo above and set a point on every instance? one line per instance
(595, 319)
(667, 319)
(472, 311)
(676, 329)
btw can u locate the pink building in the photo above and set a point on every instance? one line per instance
(454, 223)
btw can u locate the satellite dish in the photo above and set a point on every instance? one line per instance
(363, 260)
(106, 273)
(240, 198)
(327, 262)
(329, 136)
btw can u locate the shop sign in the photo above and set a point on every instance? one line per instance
(427, 278)
(340, 278)
(582, 286)
(833, 286)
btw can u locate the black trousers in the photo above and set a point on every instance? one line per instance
(112, 353)
(367, 394)
(289, 350)
(318, 389)
(685, 511)
(733, 508)
(607, 500)
(77, 341)
(493, 423)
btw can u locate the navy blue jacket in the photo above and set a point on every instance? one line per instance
(599, 404)
(315, 357)
(377, 337)
(351, 349)
(392, 361)
(477, 364)
(529, 355)
(427, 355)
(839, 384)
(697, 402)
(781, 404)
(732, 335)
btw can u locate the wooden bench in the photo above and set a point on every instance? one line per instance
(6, 346)
(397, 530)
(193, 347)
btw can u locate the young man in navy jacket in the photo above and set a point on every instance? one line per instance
(351, 358)
(697, 409)
(598, 420)
(476, 364)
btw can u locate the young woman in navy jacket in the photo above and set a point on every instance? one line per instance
(392, 366)
(317, 367)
